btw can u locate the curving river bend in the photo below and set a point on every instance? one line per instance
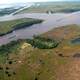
(50, 21)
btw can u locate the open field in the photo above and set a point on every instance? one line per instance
(9, 26)
(50, 7)
(29, 63)
(22, 61)
(66, 35)
(64, 32)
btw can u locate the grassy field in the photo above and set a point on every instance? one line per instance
(53, 7)
(65, 34)
(21, 61)
(8, 26)
(28, 63)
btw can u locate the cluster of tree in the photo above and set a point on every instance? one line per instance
(37, 41)
(50, 12)
(10, 47)
(2, 34)
(43, 43)
(26, 24)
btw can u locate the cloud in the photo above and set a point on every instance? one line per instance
(20, 1)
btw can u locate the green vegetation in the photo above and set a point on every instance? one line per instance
(39, 42)
(26, 24)
(11, 47)
(9, 26)
(7, 11)
(15, 46)
(53, 7)
(28, 64)
(5, 50)
(43, 43)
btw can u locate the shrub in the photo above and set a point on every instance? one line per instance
(43, 43)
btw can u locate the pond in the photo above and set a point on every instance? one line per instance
(76, 41)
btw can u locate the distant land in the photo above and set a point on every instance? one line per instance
(40, 7)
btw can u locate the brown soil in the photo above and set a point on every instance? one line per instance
(70, 71)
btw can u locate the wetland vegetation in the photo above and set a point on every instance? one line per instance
(9, 26)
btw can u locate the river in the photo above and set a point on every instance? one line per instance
(50, 21)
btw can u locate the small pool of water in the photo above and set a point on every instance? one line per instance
(76, 41)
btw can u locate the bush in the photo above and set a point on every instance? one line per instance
(10, 47)
(43, 43)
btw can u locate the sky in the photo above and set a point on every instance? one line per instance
(20, 1)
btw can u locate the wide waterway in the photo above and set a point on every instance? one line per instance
(50, 21)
